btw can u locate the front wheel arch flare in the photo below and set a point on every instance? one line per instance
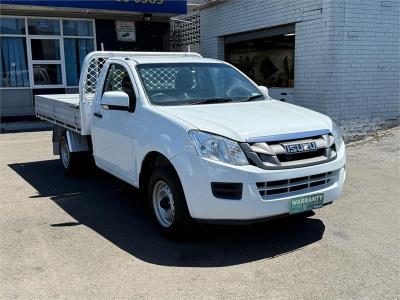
(152, 161)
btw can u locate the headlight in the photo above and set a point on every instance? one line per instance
(218, 148)
(337, 135)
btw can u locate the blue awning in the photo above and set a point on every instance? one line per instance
(146, 6)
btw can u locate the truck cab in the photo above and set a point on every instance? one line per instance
(201, 139)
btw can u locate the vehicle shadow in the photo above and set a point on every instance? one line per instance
(112, 209)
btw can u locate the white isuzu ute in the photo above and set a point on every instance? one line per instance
(198, 136)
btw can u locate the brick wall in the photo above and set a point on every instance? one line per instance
(347, 58)
(367, 62)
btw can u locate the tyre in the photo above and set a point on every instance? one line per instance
(69, 160)
(168, 204)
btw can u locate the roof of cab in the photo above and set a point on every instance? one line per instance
(158, 57)
(166, 59)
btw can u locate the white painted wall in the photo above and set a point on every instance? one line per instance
(347, 58)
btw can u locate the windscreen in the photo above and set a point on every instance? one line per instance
(191, 83)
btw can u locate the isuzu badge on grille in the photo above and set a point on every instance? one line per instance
(302, 147)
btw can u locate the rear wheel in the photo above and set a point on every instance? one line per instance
(168, 204)
(69, 160)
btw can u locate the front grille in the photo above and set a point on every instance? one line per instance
(276, 154)
(284, 157)
(288, 186)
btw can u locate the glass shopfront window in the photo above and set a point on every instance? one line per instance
(13, 55)
(76, 47)
(13, 66)
(12, 26)
(44, 26)
(77, 28)
(43, 52)
(76, 50)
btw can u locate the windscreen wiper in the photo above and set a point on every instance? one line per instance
(255, 97)
(210, 101)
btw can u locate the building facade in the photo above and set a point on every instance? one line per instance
(43, 43)
(339, 57)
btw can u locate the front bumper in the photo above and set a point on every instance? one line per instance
(196, 175)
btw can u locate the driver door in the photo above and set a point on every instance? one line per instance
(113, 126)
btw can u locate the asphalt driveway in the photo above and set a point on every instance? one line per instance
(90, 237)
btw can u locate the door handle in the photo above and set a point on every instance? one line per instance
(98, 115)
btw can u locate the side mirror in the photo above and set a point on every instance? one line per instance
(264, 90)
(115, 100)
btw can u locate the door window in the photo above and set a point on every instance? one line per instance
(46, 61)
(47, 74)
(46, 56)
(118, 80)
(46, 49)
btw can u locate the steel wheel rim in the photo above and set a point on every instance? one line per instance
(162, 197)
(65, 157)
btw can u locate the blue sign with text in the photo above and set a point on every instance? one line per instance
(147, 6)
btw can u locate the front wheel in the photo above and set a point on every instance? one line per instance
(168, 204)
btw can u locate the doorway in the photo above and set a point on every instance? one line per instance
(267, 57)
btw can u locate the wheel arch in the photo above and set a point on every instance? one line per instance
(151, 161)
(76, 142)
(58, 132)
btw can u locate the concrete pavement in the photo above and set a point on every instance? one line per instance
(89, 237)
